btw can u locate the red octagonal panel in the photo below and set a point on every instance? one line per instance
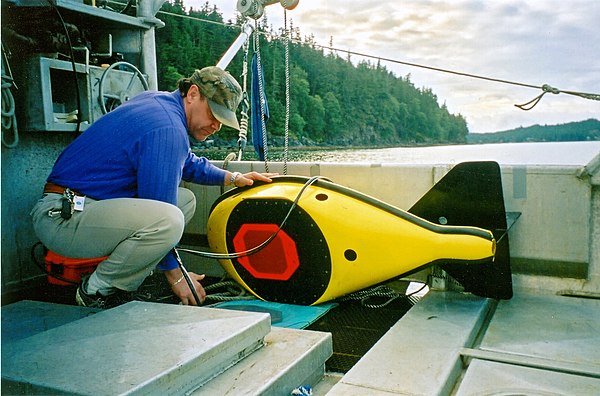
(277, 261)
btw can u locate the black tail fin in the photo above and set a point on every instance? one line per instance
(471, 195)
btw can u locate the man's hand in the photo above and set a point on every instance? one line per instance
(181, 288)
(247, 179)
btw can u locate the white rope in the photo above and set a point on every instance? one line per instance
(243, 134)
(287, 92)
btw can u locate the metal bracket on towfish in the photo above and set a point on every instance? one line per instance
(336, 240)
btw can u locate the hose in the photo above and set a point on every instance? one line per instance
(9, 119)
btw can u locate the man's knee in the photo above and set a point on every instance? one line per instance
(174, 224)
(186, 202)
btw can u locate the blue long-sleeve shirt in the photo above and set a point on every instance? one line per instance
(139, 150)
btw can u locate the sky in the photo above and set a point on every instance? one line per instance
(531, 42)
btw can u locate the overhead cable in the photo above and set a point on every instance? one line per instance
(545, 88)
(526, 106)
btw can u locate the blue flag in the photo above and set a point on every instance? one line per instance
(255, 110)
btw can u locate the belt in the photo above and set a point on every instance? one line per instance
(51, 188)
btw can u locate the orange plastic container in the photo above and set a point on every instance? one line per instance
(69, 268)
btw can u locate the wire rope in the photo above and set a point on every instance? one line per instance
(233, 292)
(261, 94)
(546, 88)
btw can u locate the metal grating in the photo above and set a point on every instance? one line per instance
(356, 328)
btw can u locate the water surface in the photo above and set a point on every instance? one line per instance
(551, 153)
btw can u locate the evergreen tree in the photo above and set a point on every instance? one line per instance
(332, 101)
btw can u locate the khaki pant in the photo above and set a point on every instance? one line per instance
(134, 233)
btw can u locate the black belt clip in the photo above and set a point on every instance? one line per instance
(67, 205)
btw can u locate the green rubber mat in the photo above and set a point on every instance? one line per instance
(282, 315)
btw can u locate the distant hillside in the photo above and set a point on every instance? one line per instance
(334, 101)
(573, 131)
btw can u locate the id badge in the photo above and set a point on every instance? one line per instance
(78, 203)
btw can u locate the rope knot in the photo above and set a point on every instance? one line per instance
(531, 104)
(548, 88)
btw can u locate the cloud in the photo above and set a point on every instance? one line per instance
(533, 42)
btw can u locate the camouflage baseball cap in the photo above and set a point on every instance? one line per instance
(222, 91)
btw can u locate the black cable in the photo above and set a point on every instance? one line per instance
(417, 291)
(238, 254)
(43, 268)
(72, 54)
(129, 6)
(186, 276)
(245, 253)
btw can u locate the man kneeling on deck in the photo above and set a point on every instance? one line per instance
(114, 191)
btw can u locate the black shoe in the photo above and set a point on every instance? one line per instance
(98, 300)
(155, 288)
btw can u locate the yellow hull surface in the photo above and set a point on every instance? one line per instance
(335, 240)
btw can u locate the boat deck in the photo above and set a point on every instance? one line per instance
(143, 348)
(449, 343)
(459, 344)
(545, 340)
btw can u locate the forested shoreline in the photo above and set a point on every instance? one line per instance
(586, 130)
(332, 101)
